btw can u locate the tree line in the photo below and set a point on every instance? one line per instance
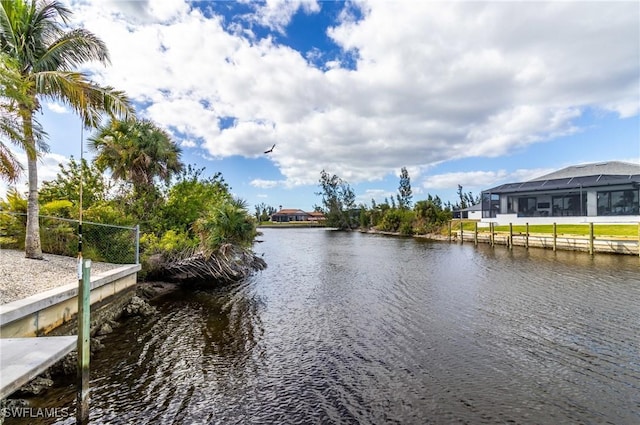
(397, 214)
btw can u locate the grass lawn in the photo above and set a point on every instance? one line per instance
(290, 224)
(614, 230)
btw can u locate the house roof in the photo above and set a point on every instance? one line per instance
(568, 183)
(577, 176)
(291, 211)
(616, 168)
(476, 207)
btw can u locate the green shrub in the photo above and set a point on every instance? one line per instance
(60, 208)
(13, 220)
(391, 221)
(59, 237)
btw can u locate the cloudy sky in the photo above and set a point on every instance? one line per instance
(467, 93)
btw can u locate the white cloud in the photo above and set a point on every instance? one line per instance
(265, 184)
(48, 168)
(57, 108)
(188, 144)
(433, 81)
(377, 195)
(276, 14)
(480, 180)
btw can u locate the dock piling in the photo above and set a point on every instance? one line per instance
(510, 235)
(84, 343)
(493, 235)
(475, 235)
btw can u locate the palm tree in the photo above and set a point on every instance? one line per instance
(44, 53)
(227, 223)
(136, 151)
(10, 167)
(10, 129)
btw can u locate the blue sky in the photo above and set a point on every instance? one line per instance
(468, 93)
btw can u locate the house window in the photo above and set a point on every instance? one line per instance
(526, 207)
(569, 205)
(490, 205)
(618, 202)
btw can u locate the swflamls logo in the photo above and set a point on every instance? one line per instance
(33, 412)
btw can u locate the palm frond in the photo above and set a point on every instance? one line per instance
(71, 50)
(88, 99)
(10, 167)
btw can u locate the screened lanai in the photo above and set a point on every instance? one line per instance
(571, 196)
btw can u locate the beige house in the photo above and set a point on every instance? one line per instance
(287, 215)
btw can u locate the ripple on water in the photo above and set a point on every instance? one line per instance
(351, 328)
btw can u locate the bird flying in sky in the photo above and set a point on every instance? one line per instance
(270, 150)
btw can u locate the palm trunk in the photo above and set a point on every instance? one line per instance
(32, 247)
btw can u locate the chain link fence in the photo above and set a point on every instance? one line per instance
(100, 242)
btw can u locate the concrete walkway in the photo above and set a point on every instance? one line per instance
(22, 359)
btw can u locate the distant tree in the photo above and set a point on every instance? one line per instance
(466, 199)
(258, 211)
(472, 199)
(264, 212)
(338, 200)
(463, 202)
(67, 183)
(404, 190)
(427, 210)
(393, 203)
(365, 216)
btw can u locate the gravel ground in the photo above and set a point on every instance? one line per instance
(21, 277)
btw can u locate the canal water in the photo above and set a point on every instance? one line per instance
(357, 328)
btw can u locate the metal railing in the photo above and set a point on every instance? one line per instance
(101, 242)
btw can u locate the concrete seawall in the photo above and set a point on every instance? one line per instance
(40, 314)
(565, 243)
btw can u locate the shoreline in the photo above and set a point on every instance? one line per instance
(563, 243)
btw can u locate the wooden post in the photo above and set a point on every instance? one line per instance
(461, 233)
(555, 236)
(84, 343)
(510, 235)
(591, 238)
(475, 235)
(492, 237)
(449, 230)
(526, 236)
